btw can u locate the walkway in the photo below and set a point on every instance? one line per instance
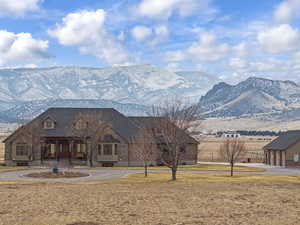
(108, 174)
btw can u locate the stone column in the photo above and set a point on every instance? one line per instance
(283, 158)
(271, 157)
(278, 158)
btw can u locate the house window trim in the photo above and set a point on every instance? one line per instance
(48, 127)
(25, 150)
(114, 148)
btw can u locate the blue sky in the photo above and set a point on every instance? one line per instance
(232, 39)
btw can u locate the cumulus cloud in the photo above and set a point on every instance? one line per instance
(208, 48)
(238, 64)
(141, 33)
(18, 7)
(241, 49)
(165, 9)
(279, 39)
(86, 29)
(287, 10)
(161, 33)
(174, 56)
(21, 47)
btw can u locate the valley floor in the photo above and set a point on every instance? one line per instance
(193, 199)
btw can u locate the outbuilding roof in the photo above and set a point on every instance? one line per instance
(284, 141)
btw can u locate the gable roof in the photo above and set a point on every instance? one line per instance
(64, 118)
(284, 141)
(150, 122)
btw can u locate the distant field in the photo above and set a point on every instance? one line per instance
(248, 123)
(209, 148)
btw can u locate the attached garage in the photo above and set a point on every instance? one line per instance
(284, 151)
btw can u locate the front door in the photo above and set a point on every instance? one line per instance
(64, 150)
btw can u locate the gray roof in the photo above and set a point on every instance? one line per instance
(150, 122)
(64, 118)
(284, 141)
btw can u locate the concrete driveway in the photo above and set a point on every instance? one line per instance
(94, 175)
(108, 174)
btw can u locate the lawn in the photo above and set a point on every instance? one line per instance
(135, 200)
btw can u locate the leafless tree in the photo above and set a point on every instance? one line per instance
(30, 135)
(174, 119)
(89, 128)
(144, 146)
(231, 150)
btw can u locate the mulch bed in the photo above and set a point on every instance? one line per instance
(63, 174)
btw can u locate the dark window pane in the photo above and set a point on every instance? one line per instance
(107, 149)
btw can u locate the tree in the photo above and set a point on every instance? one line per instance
(90, 129)
(144, 146)
(174, 119)
(30, 135)
(231, 150)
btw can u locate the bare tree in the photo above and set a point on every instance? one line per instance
(231, 150)
(144, 146)
(30, 135)
(175, 119)
(90, 128)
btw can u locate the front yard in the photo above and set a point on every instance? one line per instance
(193, 199)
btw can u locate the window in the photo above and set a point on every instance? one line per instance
(116, 149)
(99, 149)
(48, 124)
(80, 148)
(21, 149)
(296, 158)
(107, 149)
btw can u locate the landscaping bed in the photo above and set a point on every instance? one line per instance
(63, 174)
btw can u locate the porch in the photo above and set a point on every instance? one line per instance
(76, 150)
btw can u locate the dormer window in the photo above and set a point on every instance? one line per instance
(48, 124)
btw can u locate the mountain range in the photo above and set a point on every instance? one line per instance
(132, 90)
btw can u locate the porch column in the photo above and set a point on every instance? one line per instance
(283, 158)
(271, 157)
(57, 150)
(277, 158)
(70, 150)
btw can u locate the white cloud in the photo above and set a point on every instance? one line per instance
(161, 34)
(174, 56)
(241, 49)
(18, 7)
(86, 29)
(296, 62)
(121, 36)
(208, 48)
(279, 39)
(238, 64)
(173, 67)
(287, 10)
(163, 9)
(141, 33)
(21, 47)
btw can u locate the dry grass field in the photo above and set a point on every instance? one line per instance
(193, 199)
(209, 148)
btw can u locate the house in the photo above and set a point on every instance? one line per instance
(284, 150)
(231, 134)
(50, 137)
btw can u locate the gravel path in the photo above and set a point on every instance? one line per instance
(108, 174)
